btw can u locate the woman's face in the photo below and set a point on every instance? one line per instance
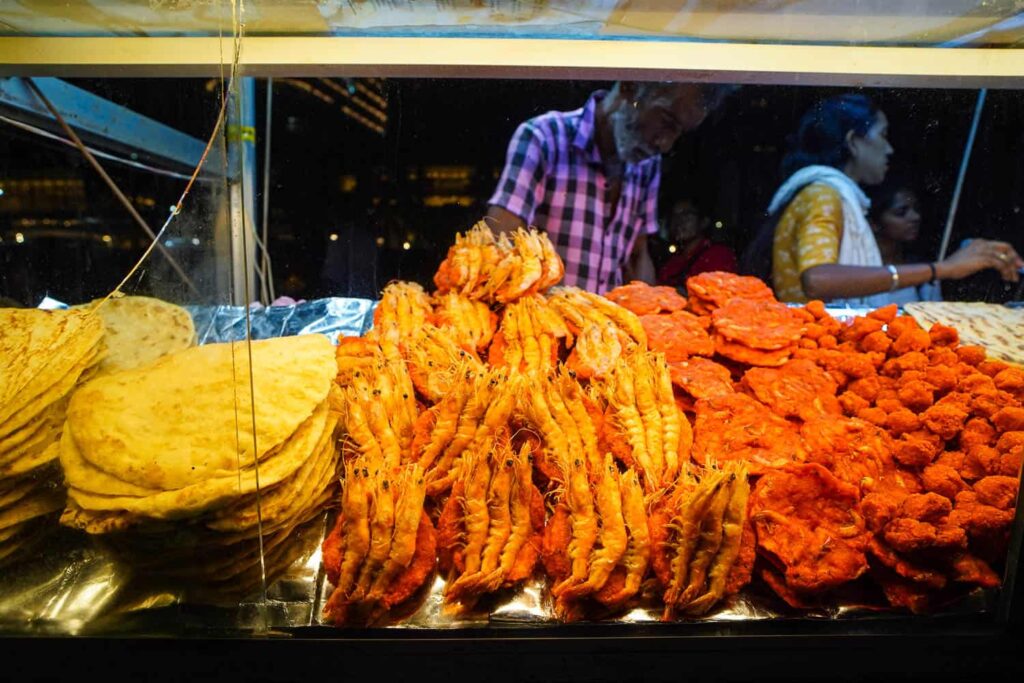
(901, 222)
(869, 153)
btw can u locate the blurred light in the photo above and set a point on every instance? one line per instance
(334, 237)
(19, 238)
(1, 192)
(108, 239)
(380, 241)
(406, 246)
(195, 241)
(718, 224)
(671, 248)
(409, 236)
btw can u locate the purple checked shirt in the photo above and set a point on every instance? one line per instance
(554, 180)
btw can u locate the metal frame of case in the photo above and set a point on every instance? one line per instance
(798, 648)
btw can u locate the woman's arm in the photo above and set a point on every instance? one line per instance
(832, 281)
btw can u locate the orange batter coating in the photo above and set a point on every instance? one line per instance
(678, 335)
(805, 521)
(701, 378)
(738, 427)
(762, 325)
(643, 299)
(797, 389)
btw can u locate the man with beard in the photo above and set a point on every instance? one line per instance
(589, 177)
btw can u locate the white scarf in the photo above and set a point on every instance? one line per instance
(857, 246)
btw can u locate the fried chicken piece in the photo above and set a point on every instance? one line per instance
(860, 328)
(968, 568)
(903, 593)
(997, 491)
(896, 366)
(943, 479)
(1010, 463)
(978, 431)
(977, 384)
(876, 342)
(902, 421)
(943, 335)
(852, 403)
(943, 357)
(866, 387)
(885, 313)
(888, 403)
(954, 459)
(916, 395)
(942, 378)
(1011, 380)
(900, 324)
(879, 509)
(971, 355)
(944, 420)
(875, 416)
(992, 367)
(1009, 419)
(912, 340)
(917, 449)
(926, 507)
(976, 518)
(1008, 441)
(804, 519)
(904, 568)
(910, 535)
(979, 461)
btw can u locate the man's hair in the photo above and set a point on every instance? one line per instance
(712, 94)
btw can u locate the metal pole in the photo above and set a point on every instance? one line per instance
(963, 174)
(241, 136)
(268, 274)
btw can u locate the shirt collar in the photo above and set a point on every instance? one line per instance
(584, 138)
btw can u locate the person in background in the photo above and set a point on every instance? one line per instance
(694, 251)
(823, 246)
(590, 177)
(896, 220)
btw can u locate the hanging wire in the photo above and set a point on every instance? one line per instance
(944, 248)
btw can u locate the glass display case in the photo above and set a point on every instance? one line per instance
(284, 378)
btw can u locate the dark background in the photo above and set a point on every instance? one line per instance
(431, 171)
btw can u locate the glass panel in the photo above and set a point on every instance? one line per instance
(144, 466)
(877, 22)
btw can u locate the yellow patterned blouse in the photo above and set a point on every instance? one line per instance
(807, 235)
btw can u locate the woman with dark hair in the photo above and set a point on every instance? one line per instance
(896, 220)
(824, 247)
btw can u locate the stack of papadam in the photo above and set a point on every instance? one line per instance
(141, 329)
(44, 356)
(987, 325)
(183, 465)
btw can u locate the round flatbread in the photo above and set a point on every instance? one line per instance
(141, 329)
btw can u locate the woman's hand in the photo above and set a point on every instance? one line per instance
(979, 255)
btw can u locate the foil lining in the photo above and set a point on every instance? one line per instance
(72, 585)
